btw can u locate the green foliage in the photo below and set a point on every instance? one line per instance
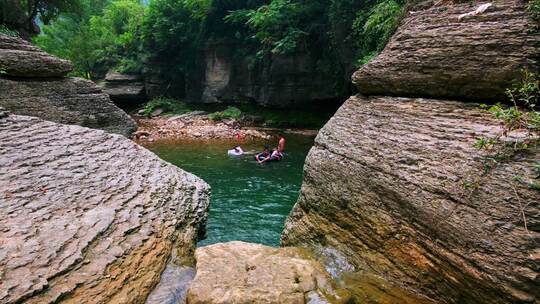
(104, 35)
(2, 72)
(277, 26)
(534, 9)
(522, 116)
(229, 113)
(22, 15)
(6, 31)
(172, 29)
(168, 105)
(374, 27)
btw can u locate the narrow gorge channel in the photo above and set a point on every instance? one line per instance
(249, 201)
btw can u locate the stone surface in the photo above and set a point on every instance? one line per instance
(283, 81)
(396, 186)
(39, 90)
(66, 100)
(239, 272)
(87, 216)
(434, 54)
(124, 88)
(21, 59)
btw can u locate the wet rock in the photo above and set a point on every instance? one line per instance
(87, 216)
(435, 53)
(419, 223)
(239, 272)
(21, 59)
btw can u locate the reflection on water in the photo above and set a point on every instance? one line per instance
(249, 201)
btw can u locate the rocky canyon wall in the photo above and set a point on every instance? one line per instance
(395, 185)
(280, 81)
(34, 83)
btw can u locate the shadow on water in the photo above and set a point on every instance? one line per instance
(250, 202)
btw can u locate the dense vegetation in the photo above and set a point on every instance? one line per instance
(125, 34)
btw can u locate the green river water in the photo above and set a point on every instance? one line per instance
(249, 202)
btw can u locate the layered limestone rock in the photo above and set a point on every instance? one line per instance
(21, 59)
(239, 272)
(461, 51)
(124, 88)
(34, 85)
(282, 81)
(65, 100)
(396, 186)
(87, 216)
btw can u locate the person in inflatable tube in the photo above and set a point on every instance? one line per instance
(236, 151)
(260, 157)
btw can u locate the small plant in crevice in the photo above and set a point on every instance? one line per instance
(520, 132)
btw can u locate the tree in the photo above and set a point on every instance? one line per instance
(21, 15)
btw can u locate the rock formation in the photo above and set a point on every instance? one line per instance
(437, 54)
(239, 272)
(33, 84)
(395, 185)
(283, 81)
(21, 59)
(125, 89)
(87, 216)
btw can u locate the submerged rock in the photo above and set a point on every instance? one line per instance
(39, 89)
(239, 272)
(455, 51)
(396, 186)
(87, 216)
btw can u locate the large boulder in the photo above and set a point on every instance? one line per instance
(20, 59)
(239, 272)
(89, 217)
(65, 100)
(456, 51)
(127, 89)
(34, 85)
(396, 186)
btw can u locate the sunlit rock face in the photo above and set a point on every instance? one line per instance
(239, 272)
(396, 186)
(455, 51)
(34, 83)
(89, 217)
